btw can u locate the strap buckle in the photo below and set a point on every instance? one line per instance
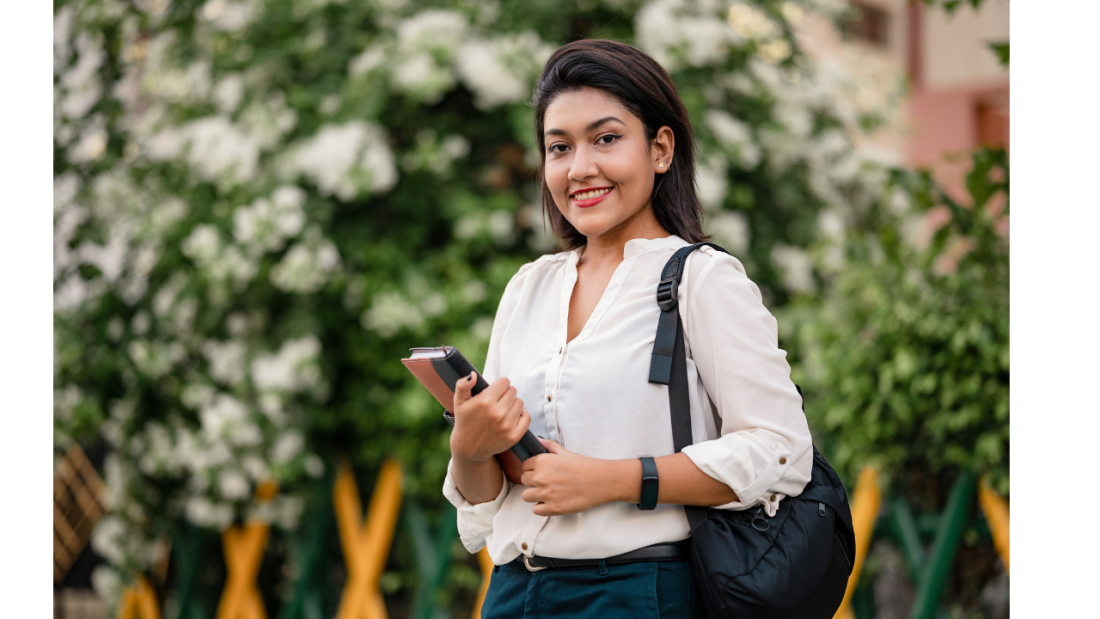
(666, 294)
(531, 568)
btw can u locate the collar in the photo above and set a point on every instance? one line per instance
(638, 247)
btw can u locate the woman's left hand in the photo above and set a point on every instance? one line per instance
(562, 482)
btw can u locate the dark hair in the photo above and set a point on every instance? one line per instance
(644, 88)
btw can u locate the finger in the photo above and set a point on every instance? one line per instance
(552, 446)
(508, 399)
(523, 422)
(463, 388)
(530, 495)
(497, 389)
(541, 509)
(530, 464)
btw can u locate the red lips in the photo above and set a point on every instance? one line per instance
(590, 201)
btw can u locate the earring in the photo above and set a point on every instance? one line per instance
(660, 165)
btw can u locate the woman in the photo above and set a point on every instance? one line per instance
(569, 358)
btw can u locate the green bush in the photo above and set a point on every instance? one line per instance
(905, 356)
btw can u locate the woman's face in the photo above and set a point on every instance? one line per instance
(600, 166)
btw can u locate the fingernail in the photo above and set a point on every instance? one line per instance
(470, 377)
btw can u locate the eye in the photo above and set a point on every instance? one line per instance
(556, 148)
(607, 138)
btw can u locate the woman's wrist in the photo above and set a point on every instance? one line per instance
(624, 481)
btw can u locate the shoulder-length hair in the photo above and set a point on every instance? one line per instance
(644, 88)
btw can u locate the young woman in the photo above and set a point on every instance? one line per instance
(569, 358)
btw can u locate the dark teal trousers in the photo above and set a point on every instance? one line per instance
(664, 590)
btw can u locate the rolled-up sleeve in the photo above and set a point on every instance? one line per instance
(475, 522)
(765, 449)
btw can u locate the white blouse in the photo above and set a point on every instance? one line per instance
(593, 396)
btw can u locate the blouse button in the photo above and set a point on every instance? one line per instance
(773, 497)
(549, 397)
(524, 546)
(782, 460)
(560, 349)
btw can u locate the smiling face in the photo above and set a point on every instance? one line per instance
(600, 166)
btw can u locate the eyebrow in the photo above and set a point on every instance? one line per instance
(590, 127)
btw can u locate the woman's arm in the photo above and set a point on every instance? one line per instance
(563, 482)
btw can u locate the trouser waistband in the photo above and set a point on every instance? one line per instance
(668, 551)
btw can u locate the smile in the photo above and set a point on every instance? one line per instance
(590, 197)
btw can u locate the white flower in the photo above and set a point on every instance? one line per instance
(233, 486)
(347, 160)
(389, 312)
(425, 51)
(197, 395)
(502, 70)
(474, 291)
(288, 511)
(678, 32)
(219, 416)
(155, 359)
(419, 75)
(203, 245)
(91, 145)
(730, 230)
(830, 223)
(775, 51)
(108, 538)
(107, 582)
(367, 61)
(710, 177)
(62, 24)
(794, 267)
(65, 188)
(228, 93)
(291, 368)
(205, 513)
(256, 468)
(267, 120)
(482, 329)
(752, 23)
(267, 223)
(227, 363)
(287, 447)
(81, 83)
(306, 267)
(220, 150)
(230, 16)
(315, 467)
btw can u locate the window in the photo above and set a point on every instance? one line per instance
(869, 24)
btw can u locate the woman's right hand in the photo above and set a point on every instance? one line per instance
(488, 423)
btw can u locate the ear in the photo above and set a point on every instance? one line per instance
(662, 149)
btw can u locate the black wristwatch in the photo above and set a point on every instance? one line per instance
(649, 483)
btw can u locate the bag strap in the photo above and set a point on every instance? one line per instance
(668, 364)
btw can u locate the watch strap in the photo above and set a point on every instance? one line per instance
(649, 483)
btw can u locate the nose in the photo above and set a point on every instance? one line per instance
(584, 165)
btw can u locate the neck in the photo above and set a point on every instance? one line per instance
(610, 246)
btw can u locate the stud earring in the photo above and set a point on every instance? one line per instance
(660, 165)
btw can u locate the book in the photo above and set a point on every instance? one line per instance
(439, 369)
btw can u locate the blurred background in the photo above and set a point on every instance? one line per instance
(261, 205)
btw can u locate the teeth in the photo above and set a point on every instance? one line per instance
(588, 195)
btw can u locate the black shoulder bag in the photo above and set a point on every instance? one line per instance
(794, 564)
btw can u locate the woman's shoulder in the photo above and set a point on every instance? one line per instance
(706, 258)
(709, 267)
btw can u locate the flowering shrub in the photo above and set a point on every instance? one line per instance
(905, 357)
(260, 205)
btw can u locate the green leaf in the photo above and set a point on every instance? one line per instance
(1001, 49)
